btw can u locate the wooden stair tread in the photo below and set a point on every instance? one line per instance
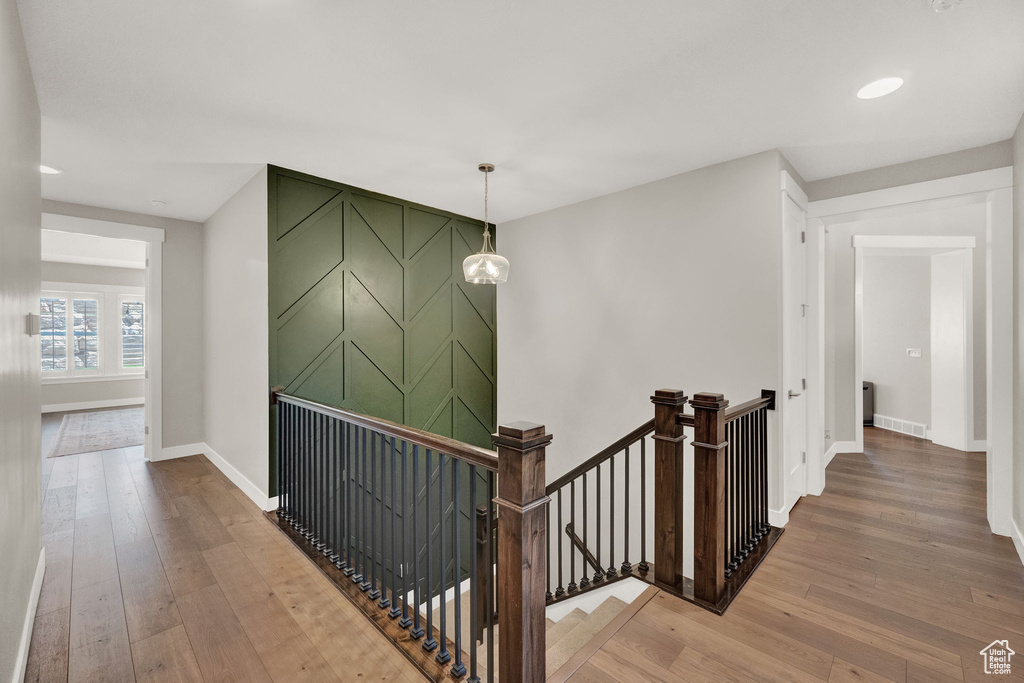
(558, 653)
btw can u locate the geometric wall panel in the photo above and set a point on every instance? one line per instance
(370, 312)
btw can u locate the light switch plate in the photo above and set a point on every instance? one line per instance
(914, 353)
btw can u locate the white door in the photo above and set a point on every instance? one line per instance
(950, 361)
(794, 399)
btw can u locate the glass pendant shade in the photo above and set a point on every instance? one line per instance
(485, 269)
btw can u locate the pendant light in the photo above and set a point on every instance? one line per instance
(485, 267)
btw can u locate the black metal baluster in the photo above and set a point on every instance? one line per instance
(364, 584)
(430, 642)
(416, 631)
(347, 562)
(547, 549)
(443, 656)
(405, 621)
(371, 489)
(748, 485)
(585, 581)
(763, 438)
(321, 449)
(599, 574)
(492, 577)
(307, 493)
(572, 546)
(730, 495)
(626, 566)
(643, 566)
(560, 590)
(395, 611)
(474, 587)
(611, 519)
(458, 668)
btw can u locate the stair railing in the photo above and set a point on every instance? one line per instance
(390, 515)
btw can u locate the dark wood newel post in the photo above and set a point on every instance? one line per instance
(709, 496)
(668, 489)
(522, 538)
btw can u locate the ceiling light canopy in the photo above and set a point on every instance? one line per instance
(485, 267)
(944, 5)
(880, 88)
(49, 170)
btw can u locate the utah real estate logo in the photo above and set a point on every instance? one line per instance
(997, 657)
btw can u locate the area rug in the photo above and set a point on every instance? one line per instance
(100, 431)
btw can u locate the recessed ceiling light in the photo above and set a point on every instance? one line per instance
(880, 88)
(49, 170)
(944, 5)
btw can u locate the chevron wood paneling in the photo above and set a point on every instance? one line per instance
(369, 310)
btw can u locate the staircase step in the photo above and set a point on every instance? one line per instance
(573, 640)
(564, 626)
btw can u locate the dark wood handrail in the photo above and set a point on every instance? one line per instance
(474, 455)
(767, 399)
(617, 447)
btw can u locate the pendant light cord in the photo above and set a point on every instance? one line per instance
(487, 226)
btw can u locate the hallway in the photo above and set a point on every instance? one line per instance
(891, 574)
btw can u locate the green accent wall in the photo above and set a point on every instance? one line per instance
(369, 310)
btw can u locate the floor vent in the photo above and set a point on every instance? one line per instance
(902, 426)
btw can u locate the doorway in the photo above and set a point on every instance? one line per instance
(937, 370)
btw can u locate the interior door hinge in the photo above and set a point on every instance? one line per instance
(147, 263)
(803, 456)
(803, 383)
(147, 429)
(803, 237)
(803, 310)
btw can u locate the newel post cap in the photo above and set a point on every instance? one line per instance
(669, 397)
(521, 436)
(708, 400)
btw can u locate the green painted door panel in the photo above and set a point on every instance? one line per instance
(369, 311)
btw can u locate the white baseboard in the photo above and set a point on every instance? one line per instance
(1018, 539)
(91, 405)
(977, 445)
(831, 452)
(21, 661)
(779, 518)
(240, 480)
(895, 424)
(184, 451)
(844, 447)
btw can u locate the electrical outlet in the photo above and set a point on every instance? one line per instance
(914, 353)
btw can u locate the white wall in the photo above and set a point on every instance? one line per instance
(897, 303)
(182, 296)
(839, 293)
(671, 284)
(116, 389)
(235, 346)
(19, 353)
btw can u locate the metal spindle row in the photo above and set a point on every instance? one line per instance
(399, 521)
(746, 486)
(584, 518)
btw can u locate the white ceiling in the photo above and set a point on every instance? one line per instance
(93, 250)
(181, 101)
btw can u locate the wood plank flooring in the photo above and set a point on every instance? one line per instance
(168, 572)
(890, 575)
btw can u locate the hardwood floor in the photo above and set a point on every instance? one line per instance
(890, 575)
(168, 572)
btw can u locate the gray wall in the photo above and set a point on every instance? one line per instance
(897, 305)
(182, 298)
(670, 284)
(235, 349)
(1018, 266)
(62, 393)
(996, 155)
(19, 353)
(839, 303)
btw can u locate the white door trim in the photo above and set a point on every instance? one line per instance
(154, 239)
(993, 188)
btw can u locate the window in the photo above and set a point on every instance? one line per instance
(133, 338)
(79, 339)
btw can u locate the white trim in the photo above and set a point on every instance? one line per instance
(92, 226)
(950, 242)
(977, 445)
(95, 261)
(793, 189)
(48, 285)
(1018, 539)
(101, 378)
(21, 660)
(779, 518)
(90, 405)
(172, 452)
(838, 208)
(845, 447)
(895, 424)
(831, 453)
(237, 478)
